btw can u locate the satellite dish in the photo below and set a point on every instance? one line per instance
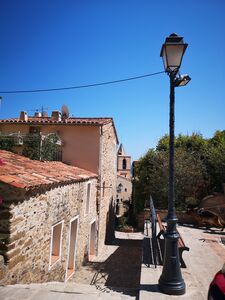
(65, 112)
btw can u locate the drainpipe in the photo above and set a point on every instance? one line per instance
(41, 142)
(99, 181)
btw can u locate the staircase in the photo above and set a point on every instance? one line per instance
(62, 291)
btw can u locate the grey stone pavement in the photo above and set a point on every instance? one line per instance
(120, 265)
(205, 258)
(59, 291)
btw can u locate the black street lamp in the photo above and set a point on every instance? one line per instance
(171, 281)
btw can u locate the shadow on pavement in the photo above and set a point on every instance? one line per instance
(121, 271)
(212, 231)
(150, 288)
(153, 252)
(206, 229)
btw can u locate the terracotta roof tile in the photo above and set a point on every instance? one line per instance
(49, 120)
(21, 172)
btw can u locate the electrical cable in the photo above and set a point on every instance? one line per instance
(80, 86)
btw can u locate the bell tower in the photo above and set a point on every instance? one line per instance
(123, 163)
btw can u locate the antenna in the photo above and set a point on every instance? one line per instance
(65, 112)
(41, 109)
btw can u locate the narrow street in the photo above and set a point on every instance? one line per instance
(119, 273)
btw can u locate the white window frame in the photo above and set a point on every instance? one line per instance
(89, 242)
(88, 198)
(60, 245)
(68, 246)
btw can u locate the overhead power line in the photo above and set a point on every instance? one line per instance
(80, 86)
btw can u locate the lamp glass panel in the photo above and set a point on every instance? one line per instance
(164, 57)
(174, 55)
(183, 82)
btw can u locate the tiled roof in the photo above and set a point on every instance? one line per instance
(22, 172)
(49, 120)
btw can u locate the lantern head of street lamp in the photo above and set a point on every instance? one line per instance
(172, 52)
(182, 80)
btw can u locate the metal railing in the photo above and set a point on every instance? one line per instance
(153, 221)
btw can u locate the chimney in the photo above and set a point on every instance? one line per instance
(56, 115)
(37, 114)
(44, 114)
(23, 116)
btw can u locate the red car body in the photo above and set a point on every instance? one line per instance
(217, 287)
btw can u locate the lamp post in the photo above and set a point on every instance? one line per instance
(171, 281)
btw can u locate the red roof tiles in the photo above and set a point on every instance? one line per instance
(22, 172)
(49, 120)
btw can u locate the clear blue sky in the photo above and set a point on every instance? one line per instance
(47, 44)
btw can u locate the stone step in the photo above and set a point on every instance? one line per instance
(62, 291)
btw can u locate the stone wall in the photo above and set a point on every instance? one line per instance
(107, 182)
(26, 225)
(121, 171)
(126, 191)
(184, 217)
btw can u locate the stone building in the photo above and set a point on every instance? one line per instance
(88, 143)
(48, 219)
(124, 183)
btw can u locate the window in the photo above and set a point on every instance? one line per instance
(124, 164)
(120, 188)
(72, 247)
(92, 241)
(34, 130)
(56, 241)
(88, 197)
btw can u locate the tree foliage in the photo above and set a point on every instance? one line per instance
(50, 147)
(7, 143)
(199, 170)
(34, 146)
(215, 160)
(41, 148)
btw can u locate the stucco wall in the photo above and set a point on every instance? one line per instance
(80, 142)
(26, 223)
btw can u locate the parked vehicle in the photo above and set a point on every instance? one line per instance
(217, 286)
